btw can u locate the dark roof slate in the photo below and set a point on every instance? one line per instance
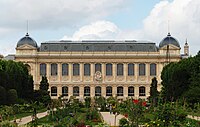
(98, 46)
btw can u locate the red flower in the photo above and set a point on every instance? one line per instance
(126, 115)
(135, 101)
(144, 103)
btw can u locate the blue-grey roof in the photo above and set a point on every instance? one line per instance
(169, 40)
(98, 45)
(27, 40)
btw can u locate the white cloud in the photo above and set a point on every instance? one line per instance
(95, 30)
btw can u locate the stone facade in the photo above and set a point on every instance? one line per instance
(122, 73)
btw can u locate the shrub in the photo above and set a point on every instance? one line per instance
(123, 122)
(12, 96)
(2, 95)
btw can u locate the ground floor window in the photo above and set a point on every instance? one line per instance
(53, 91)
(65, 91)
(109, 91)
(87, 91)
(76, 91)
(120, 91)
(142, 91)
(130, 91)
(98, 91)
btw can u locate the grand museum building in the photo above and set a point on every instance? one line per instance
(98, 67)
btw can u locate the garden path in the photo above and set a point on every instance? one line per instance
(194, 117)
(110, 118)
(27, 119)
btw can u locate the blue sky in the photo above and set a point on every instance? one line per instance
(99, 19)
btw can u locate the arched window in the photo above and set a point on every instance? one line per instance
(142, 91)
(76, 69)
(86, 69)
(97, 91)
(97, 67)
(87, 91)
(142, 69)
(43, 69)
(65, 91)
(120, 91)
(65, 69)
(130, 69)
(54, 69)
(153, 69)
(108, 91)
(109, 69)
(130, 91)
(120, 69)
(53, 91)
(76, 91)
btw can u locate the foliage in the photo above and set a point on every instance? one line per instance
(101, 103)
(2, 95)
(44, 85)
(154, 91)
(12, 96)
(123, 122)
(181, 80)
(15, 75)
(87, 102)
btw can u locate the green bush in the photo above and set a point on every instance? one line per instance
(2, 95)
(12, 96)
(123, 122)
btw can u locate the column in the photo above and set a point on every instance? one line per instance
(70, 71)
(59, 72)
(103, 72)
(92, 91)
(92, 72)
(114, 71)
(48, 69)
(114, 90)
(125, 91)
(147, 72)
(70, 91)
(125, 71)
(81, 71)
(136, 71)
(59, 90)
(103, 90)
(136, 92)
(81, 91)
(147, 90)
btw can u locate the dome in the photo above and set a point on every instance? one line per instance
(27, 40)
(169, 40)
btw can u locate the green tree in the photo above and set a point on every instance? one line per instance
(2, 95)
(154, 91)
(44, 85)
(12, 96)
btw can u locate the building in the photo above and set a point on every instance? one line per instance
(98, 68)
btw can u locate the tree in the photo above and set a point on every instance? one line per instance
(12, 96)
(2, 95)
(44, 85)
(154, 91)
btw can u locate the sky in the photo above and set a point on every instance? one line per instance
(148, 20)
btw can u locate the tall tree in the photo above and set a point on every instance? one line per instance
(44, 85)
(154, 91)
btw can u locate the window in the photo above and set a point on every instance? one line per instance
(86, 69)
(43, 69)
(65, 91)
(142, 69)
(108, 69)
(108, 91)
(142, 91)
(130, 69)
(76, 91)
(120, 69)
(120, 91)
(54, 69)
(53, 91)
(130, 91)
(153, 69)
(65, 69)
(98, 91)
(97, 67)
(76, 69)
(87, 91)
